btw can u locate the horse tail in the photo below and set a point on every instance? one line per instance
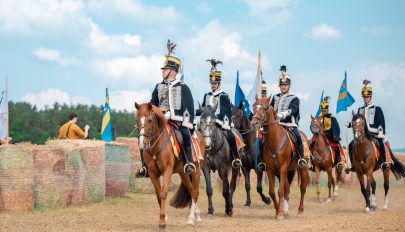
(398, 168)
(182, 198)
(290, 176)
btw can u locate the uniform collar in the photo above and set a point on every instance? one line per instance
(217, 92)
(370, 104)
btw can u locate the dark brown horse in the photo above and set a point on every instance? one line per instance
(365, 162)
(322, 159)
(278, 156)
(160, 160)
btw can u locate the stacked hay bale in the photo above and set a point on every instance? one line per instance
(16, 182)
(84, 170)
(49, 177)
(117, 169)
(134, 152)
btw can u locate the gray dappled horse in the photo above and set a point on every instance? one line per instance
(218, 158)
(242, 124)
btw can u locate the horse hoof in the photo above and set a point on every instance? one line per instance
(367, 210)
(229, 213)
(385, 207)
(191, 221)
(320, 200)
(247, 206)
(267, 201)
(198, 219)
(280, 218)
(210, 215)
(162, 225)
(300, 214)
(329, 200)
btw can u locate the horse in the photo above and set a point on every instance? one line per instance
(322, 159)
(278, 156)
(365, 162)
(242, 124)
(160, 160)
(218, 157)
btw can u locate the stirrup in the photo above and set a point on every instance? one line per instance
(339, 165)
(349, 169)
(189, 164)
(262, 167)
(142, 172)
(236, 163)
(302, 165)
(384, 165)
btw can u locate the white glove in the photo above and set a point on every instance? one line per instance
(280, 115)
(86, 127)
(348, 124)
(167, 115)
(380, 135)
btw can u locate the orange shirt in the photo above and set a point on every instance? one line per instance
(74, 131)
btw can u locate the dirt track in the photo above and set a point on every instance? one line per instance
(139, 212)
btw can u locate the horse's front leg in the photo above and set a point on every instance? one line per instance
(259, 188)
(246, 174)
(156, 185)
(317, 181)
(331, 184)
(167, 175)
(272, 192)
(303, 188)
(281, 189)
(225, 191)
(360, 177)
(368, 190)
(208, 187)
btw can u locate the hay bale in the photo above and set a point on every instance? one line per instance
(94, 164)
(134, 152)
(16, 178)
(49, 177)
(117, 169)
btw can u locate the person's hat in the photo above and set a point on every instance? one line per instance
(171, 62)
(367, 90)
(325, 103)
(215, 75)
(284, 79)
(264, 88)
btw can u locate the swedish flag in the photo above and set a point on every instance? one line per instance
(345, 99)
(106, 128)
(318, 113)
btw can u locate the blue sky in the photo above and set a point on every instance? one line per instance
(70, 50)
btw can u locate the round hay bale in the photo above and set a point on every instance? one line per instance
(16, 178)
(49, 177)
(93, 159)
(134, 152)
(117, 169)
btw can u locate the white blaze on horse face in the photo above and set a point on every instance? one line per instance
(141, 137)
(258, 107)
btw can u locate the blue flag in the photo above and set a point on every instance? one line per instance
(240, 98)
(345, 99)
(106, 128)
(318, 113)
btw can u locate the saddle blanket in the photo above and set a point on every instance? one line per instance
(196, 151)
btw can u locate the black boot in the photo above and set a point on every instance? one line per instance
(189, 167)
(384, 164)
(301, 162)
(142, 172)
(236, 162)
(338, 159)
(351, 167)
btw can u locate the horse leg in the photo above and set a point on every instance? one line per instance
(246, 174)
(368, 191)
(232, 186)
(259, 188)
(362, 187)
(281, 188)
(317, 179)
(272, 192)
(331, 184)
(208, 186)
(373, 202)
(386, 173)
(338, 180)
(167, 175)
(196, 193)
(286, 198)
(191, 188)
(225, 191)
(303, 188)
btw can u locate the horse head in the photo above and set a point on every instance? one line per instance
(149, 121)
(237, 117)
(263, 113)
(207, 123)
(359, 125)
(316, 125)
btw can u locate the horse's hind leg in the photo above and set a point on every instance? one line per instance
(331, 184)
(192, 188)
(232, 186)
(246, 174)
(338, 181)
(303, 188)
(373, 203)
(272, 192)
(208, 187)
(317, 181)
(259, 188)
(386, 173)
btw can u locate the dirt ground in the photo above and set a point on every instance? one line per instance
(139, 212)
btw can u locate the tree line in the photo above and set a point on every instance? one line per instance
(27, 123)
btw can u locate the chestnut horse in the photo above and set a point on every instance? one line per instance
(278, 156)
(365, 162)
(160, 160)
(322, 159)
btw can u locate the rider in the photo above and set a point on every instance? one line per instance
(287, 107)
(331, 130)
(261, 165)
(223, 112)
(175, 100)
(375, 123)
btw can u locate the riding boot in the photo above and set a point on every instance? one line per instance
(236, 162)
(301, 162)
(189, 167)
(381, 148)
(351, 167)
(338, 159)
(142, 172)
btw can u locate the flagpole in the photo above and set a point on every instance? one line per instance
(7, 127)
(259, 56)
(347, 141)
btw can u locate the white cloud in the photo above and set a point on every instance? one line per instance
(36, 16)
(324, 31)
(135, 10)
(374, 31)
(49, 96)
(103, 44)
(204, 8)
(54, 55)
(125, 100)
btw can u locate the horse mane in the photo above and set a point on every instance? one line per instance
(159, 115)
(366, 131)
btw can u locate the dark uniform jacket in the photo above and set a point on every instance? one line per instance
(288, 105)
(175, 97)
(223, 112)
(331, 127)
(375, 119)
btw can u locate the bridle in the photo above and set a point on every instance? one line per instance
(150, 135)
(263, 117)
(239, 115)
(214, 137)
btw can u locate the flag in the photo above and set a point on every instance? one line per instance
(106, 128)
(254, 90)
(318, 113)
(240, 98)
(4, 112)
(345, 99)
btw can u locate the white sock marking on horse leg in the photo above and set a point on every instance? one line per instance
(372, 200)
(385, 202)
(166, 217)
(285, 207)
(335, 193)
(197, 213)
(191, 217)
(367, 210)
